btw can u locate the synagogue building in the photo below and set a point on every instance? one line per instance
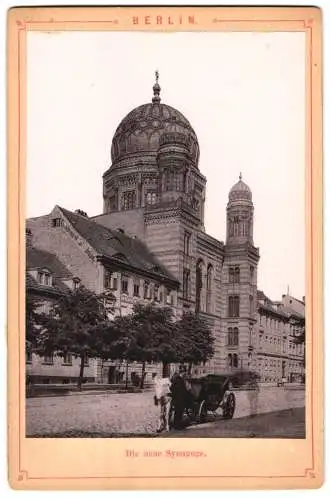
(150, 244)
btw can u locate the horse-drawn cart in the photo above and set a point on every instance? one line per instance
(208, 394)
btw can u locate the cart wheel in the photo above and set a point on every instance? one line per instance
(202, 414)
(230, 406)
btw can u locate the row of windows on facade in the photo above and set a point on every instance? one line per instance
(272, 323)
(277, 324)
(46, 279)
(233, 340)
(49, 359)
(129, 199)
(269, 364)
(275, 345)
(150, 291)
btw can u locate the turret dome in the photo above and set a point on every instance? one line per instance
(240, 191)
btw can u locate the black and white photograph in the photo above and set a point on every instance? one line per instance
(165, 235)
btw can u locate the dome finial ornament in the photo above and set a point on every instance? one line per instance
(156, 88)
(240, 176)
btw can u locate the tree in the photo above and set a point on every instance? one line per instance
(114, 338)
(196, 338)
(152, 336)
(74, 327)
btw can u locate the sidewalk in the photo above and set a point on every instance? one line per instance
(288, 423)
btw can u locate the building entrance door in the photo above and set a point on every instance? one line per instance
(111, 375)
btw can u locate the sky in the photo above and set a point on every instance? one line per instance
(243, 93)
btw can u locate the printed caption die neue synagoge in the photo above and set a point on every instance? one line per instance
(150, 245)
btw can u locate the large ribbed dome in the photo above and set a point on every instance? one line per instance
(141, 129)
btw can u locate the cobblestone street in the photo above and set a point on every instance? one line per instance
(128, 414)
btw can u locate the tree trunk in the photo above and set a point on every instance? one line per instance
(190, 369)
(165, 369)
(81, 372)
(143, 373)
(126, 375)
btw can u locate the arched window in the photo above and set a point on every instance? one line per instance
(186, 283)
(233, 336)
(230, 360)
(235, 361)
(187, 239)
(198, 284)
(230, 334)
(209, 287)
(233, 306)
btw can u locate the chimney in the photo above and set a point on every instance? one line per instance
(81, 212)
(28, 238)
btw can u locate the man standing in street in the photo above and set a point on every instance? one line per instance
(178, 393)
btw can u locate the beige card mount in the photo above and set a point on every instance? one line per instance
(58, 125)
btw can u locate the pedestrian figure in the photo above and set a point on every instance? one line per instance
(162, 398)
(179, 397)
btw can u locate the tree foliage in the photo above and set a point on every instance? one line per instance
(73, 327)
(79, 325)
(152, 334)
(196, 338)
